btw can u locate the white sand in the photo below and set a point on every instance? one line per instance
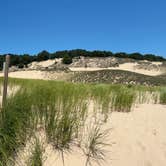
(137, 138)
(34, 74)
(27, 74)
(156, 63)
(46, 63)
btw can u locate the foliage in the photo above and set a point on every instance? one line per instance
(36, 158)
(61, 109)
(45, 55)
(118, 77)
(163, 96)
(67, 59)
(94, 150)
(14, 126)
(42, 56)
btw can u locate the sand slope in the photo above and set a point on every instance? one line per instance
(137, 138)
(35, 74)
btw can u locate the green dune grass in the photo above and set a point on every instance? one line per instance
(61, 109)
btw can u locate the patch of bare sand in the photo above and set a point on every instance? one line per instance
(46, 63)
(137, 138)
(35, 74)
(26, 74)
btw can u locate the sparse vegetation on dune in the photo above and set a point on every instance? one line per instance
(61, 110)
(94, 146)
(36, 158)
(25, 59)
(163, 96)
(118, 77)
(15, 126)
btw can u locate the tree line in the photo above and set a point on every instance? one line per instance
(67, 55)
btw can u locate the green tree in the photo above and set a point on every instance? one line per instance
(67, 59)
(42, 56)
(136, 56)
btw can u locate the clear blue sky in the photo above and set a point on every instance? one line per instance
(30, 26)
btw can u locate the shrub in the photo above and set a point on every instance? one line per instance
(67, 59)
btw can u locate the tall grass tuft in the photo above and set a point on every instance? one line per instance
(163, 96)
(61, 109)
(123, 99)
(36, 158)
(15, 126)
(94, 146)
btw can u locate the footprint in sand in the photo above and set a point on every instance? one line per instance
(141, 146)
(148, 163)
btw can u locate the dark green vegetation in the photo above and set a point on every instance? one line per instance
(67, 59)
(163, 96)
(61, 109)
(23, 60)
(118, 77)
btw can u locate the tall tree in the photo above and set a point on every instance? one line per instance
(44, 55)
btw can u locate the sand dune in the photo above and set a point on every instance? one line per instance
(33, 73)
(36, 74)
(137, 138)
(126, 67)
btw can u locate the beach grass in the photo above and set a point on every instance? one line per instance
(61, 109)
